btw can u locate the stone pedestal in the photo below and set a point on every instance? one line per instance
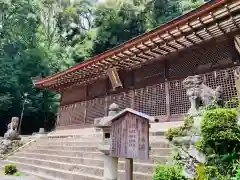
(41, 131)
(110, 168)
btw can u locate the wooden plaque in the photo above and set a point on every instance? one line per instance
(114, 78)
(130, 137)
(237, 43)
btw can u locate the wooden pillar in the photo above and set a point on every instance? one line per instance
(166, 85)
(85, 113)
(106, 105)
(168, 106)
(132, 99)
(128, 169)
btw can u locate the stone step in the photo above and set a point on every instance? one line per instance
(71, 148)
(86, 163)
(159, 143)
(159, 151)
(40, 176)
(71, 142)
(69, 159)
(59, 140)
(70, 175)
(97, 171)
(56, 173)
(84, 160)
(85, 154)
(92, 138)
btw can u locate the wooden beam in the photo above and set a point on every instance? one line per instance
(175, 40)
(231, 16)
(156, 50)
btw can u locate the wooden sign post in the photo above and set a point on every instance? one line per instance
(130, 138)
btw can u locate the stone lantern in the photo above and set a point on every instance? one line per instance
(104, 123)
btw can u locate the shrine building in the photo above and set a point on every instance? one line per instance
(146, 73)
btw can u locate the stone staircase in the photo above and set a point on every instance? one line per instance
(73, 155)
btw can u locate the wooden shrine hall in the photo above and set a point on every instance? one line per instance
(146, 73)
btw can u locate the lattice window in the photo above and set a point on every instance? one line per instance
(73, 95)
(179, 103)
(123, 99)
(95, 109)
(98, 88)
(147, 73)
(126, 78)
(60, 116)
(200, 59)
(78, 113)
(225, 79)
(181, 67)
(215, 56)
(72, 114)
(64, 116)
(151, 100)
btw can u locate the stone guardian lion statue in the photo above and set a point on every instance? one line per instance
(12, 133)
(200, 94)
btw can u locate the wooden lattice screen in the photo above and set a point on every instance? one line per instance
(72, 114)
(154, 100)
(151, 100)
(179, 103)
(95, 108)
(225, 79)
(123, 99)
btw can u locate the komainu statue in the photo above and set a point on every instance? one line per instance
(200, 94)
(12, 133)
(237, 80)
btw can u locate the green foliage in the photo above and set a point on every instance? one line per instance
(237, 175)
(168, 172)
(180, 131)
(117, 25)
(23, 57)
(208, 172)
(10, 169)
(220, 139)
(18, 174)
(220, 131)
(119, 21)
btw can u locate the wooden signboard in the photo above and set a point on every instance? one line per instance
(130, 137)
(114, 78)
(237, 43)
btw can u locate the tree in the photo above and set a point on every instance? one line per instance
(116, 26)
(121, 20)
(21, 59)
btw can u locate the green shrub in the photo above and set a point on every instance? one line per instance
(10, 169)
(208, 172)
(220, 131)
(180, 131)
(17, 174)
(168, 172)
